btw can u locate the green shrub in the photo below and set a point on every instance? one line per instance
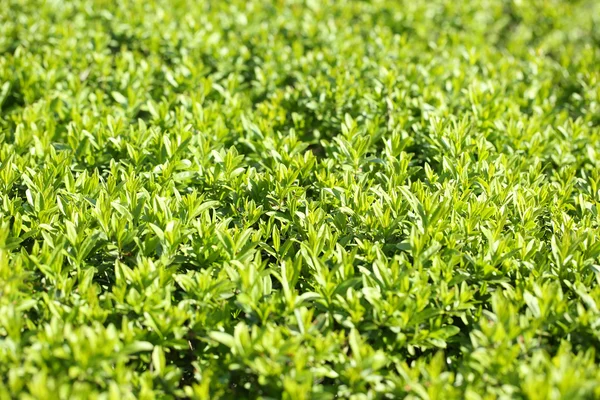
(299, 199)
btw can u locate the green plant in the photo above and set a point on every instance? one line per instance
(299, 199)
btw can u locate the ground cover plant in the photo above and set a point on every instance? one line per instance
(299, 199)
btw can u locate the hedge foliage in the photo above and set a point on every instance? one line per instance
(299, 199)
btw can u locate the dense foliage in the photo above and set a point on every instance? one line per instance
(299, 199)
